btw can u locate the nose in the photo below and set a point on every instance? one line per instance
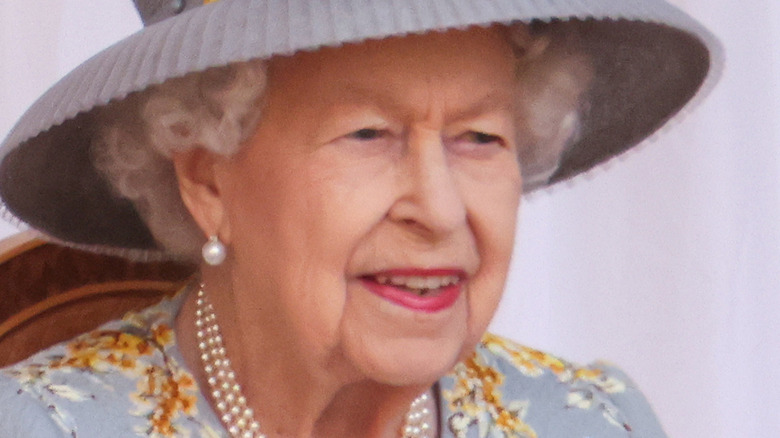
(430, 203)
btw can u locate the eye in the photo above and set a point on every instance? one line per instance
(481, 138)
(366, 134)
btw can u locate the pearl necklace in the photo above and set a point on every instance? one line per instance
(236, 416)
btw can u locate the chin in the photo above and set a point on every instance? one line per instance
(406, 362)
(396, 345)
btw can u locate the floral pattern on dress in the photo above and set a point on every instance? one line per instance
(476, 400)
(165, 395)
(131, 365)
(589, 387)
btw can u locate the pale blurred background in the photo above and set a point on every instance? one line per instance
(667, 262)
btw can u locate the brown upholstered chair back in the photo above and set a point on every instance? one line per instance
(50, 293)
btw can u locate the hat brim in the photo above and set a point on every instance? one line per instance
(649, 58)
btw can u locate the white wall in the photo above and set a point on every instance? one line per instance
(667, 262)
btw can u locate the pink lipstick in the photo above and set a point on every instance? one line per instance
(424, 290)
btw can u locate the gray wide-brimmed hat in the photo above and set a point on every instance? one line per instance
(649, 59)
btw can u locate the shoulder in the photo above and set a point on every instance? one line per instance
(122, 379)
(22, 415)
(520, 391)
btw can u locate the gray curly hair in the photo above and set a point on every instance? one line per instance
(218, 110)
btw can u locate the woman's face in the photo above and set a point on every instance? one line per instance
(371, 217)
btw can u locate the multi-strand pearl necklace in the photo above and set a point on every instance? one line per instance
(236, 416)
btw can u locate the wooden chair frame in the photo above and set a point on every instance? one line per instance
(29, 329)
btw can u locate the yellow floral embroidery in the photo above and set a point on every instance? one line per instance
(588, 386)
(534, 363)
(477, 400)
(165, 392)
(103, 351)
(163, 395)
(530, 362)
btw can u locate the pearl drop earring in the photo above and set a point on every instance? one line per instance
(214, 251)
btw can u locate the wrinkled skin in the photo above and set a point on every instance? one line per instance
(397, 155)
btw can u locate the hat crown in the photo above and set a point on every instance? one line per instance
(649, 58)
(152, 11)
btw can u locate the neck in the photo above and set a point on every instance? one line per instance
(292, 392)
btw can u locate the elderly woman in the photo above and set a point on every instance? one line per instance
(349, 175)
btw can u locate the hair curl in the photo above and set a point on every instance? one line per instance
(218, 110)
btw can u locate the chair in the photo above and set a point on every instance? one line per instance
(50, 293)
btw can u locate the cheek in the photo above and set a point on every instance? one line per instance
(303, 225)
(493, 200)
(493, 210)
(346, 201)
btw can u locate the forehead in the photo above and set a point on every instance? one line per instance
(457, 66)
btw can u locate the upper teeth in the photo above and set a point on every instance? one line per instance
(418, 282)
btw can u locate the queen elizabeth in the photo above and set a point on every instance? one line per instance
(347, 175)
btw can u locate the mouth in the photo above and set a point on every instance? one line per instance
(426, 291)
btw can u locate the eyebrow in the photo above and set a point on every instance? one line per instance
(489, 103)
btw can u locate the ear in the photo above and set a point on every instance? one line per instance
(196, 172)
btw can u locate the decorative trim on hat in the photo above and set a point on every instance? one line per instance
(182, 37)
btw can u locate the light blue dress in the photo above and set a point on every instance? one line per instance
(128, 379)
